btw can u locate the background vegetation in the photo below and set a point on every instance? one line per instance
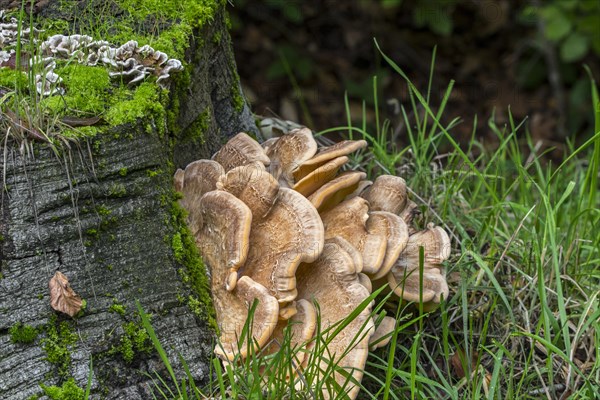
(524, 54)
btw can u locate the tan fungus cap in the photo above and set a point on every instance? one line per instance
(396, 231)
(232, 314)
(406, 284)
(349, 221)
(326, 154)
(436, 247)
(320, 176)
(301, 328)
(365, 281)
(331, 282)
(388, 193)
(409, 212)
(360, 188)
(288, 152)
(199, 178)
(178, 180)
(240, 150)
(383, 333)
(335, 191)
(223, 236)
(291, 233)
(254, 186)
(357, 259)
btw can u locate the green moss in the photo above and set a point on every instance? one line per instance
(177, 246)
(236, 97)
(89, 91)
(152, 173)
(145, 102)
(193, 272)
(180, 84)
(103, 211)
(134, 340)
(195, 12)
(168, 26)
(59, 337)
(123, 171)
(83, 308)
(86, 90)
(217, 37)
(12, 79)
(196, 132)
(68, 391)
(117, 190)
(235, 92)
(21, 333)
(173, 39)
(92, 232)
(117, 308)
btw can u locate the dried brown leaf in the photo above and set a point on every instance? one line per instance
(62, 296)
(457, 361)
(75, 122)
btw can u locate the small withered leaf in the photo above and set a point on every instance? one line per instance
(62, 296)
(75, 122)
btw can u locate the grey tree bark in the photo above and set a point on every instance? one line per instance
(102, 213)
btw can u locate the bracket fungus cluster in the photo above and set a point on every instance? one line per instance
(279, 223)
(130, 62)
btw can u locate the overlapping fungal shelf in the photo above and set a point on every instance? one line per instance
(129, 62)
(279, 223)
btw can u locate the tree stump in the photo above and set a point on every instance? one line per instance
(102, 210)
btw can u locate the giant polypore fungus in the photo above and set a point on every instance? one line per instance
(279, 224)
(240, 150)
(427, 284)
(288, 152)
(350, 220)
(334, 272)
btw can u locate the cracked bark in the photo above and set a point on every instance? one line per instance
(110, 234)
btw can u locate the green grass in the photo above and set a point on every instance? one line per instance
(523, 310)
(523, 317)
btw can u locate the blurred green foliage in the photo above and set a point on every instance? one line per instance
(301, 65)
(572, 25)
(435, 15)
